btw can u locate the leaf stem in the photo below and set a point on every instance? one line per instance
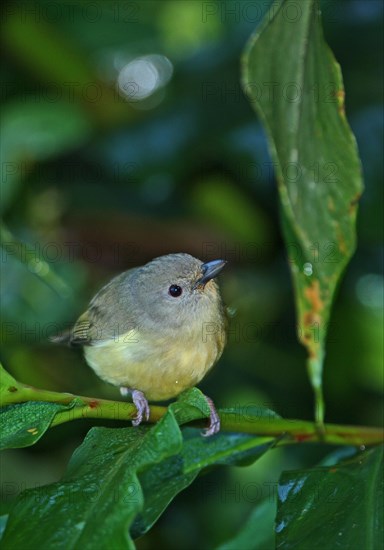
(319, 409)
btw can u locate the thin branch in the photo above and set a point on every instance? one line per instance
(295, 431)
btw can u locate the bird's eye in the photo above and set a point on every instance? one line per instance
(175, 291)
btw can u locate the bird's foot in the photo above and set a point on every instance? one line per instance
(141, 404)
(214, 420)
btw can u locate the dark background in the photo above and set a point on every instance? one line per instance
(94, 183)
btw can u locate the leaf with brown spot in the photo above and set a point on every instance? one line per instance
(308, 132)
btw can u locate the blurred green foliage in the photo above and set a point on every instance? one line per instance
(93, 184)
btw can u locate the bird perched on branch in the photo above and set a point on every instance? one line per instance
(155, 330)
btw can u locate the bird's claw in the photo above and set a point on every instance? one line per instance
(141, 404)
(143, 411)
(214, 420)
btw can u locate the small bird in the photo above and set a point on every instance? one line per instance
(155, 330)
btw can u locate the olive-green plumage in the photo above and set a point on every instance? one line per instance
(157, 329)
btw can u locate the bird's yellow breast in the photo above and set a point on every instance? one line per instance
(160, 368)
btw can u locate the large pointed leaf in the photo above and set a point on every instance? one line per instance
(295, 85)
(23, 424)
(117, 474)
(333, 507)
(164, 481)
(98, 497)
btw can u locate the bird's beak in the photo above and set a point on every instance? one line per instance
(209, 271)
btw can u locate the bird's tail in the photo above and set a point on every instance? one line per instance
(63, 338)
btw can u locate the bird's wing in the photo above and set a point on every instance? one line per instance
(110, 316)
(79, 335)
(82, 333)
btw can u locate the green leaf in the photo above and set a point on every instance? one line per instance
(8, 385)
(258, 531)
(53, 57)
(3, 523)
(22, 424)
(34, 131)
(99, 496)
(295, 85)
(346, 498)
(49, 54)
(164, 481)
(190, 405)
(117, 474)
